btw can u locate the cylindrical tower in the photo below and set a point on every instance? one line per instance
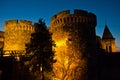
(17, 34)
(75, 39)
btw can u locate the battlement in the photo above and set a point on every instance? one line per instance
(25, 22)
(79, 16)
(11, 22)
(18, 22)
(61, 14)
(15, 24)
(80, 12)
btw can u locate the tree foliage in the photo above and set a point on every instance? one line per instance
(71, 61)
(40, 48)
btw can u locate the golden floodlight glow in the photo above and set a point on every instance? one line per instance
(61, 43)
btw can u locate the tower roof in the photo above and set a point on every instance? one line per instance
(107, 34)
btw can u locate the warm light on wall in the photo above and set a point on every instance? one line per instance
(71, 35)
(61, 43)
(17, 34)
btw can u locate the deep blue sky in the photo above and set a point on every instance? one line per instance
(107, 12)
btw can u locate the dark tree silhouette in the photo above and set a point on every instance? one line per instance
(40, 49)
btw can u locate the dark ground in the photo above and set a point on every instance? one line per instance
(107, 68)
(13, 70)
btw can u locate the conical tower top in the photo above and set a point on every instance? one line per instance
(107, 34)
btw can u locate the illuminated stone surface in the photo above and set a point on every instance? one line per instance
(74, 35)
(75, 38)
(17, 34)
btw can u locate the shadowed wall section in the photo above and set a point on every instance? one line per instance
(1, 39)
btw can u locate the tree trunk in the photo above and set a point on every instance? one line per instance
(42, 72)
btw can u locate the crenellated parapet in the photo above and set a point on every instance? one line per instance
(79, 16)
(18, 25)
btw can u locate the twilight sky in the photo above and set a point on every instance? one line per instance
(107, 12)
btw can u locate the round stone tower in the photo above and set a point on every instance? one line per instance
(75, 39)
(17, 34)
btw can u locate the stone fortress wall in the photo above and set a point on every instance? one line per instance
(75, 37)
(61, 24)
(17, 34)
(81, 21)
